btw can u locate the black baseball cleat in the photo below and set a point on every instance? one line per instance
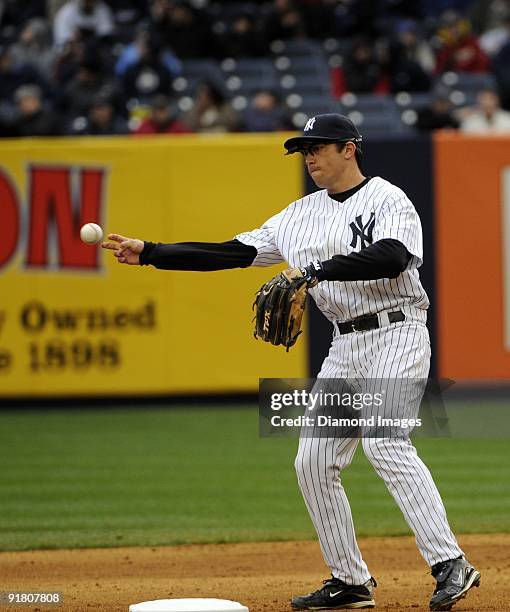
(337, 595)
(454, 579)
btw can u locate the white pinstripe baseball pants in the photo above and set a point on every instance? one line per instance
(398, 351)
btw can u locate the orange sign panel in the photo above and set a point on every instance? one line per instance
(472, 197)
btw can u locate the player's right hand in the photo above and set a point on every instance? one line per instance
(126, 250)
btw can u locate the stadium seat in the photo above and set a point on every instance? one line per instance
(320, 108)
(248, 67)
(377, 122)
(196, 71)
(367, 103)
(413, 101)
(201, 68)
(228, 11)
(186, 86)
(306, 84)
(248, 85)
(301, 64)
(333, 46)
(466, 81)
(296, 47)
(310, 101)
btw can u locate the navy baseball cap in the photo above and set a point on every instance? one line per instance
(324, 128)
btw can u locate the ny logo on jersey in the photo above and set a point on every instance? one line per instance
(363, 232)
(309, 124)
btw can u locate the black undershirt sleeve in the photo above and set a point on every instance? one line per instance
(385, 258)
(198, 256)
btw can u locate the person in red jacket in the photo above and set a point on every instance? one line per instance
(460, 50)
(162, 120)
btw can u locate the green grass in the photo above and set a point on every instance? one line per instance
(148, 476)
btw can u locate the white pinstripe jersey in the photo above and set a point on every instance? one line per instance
(318, 227)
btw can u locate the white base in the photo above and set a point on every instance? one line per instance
(188, 605)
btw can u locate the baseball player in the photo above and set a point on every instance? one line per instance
(358, 242)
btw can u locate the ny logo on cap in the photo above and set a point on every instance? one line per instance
(309, 124)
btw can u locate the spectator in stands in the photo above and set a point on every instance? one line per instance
(52, 8)
(410, 60)
(85, 86)
(359, 18)
(266, 114)
(362, 71)
(319, 19)
(13, 75)
(180, 27)
(439, 114)
(132, 52)
(101, 120)
(14, 14)
(494, 40)
(149, 75)
(434, 8)
(407, 9)
(33, 119)
(412, 43)
(210, 112)
(284, 22)
(34, 47)
(500, 66)
(126, 15)
(241, 39)
(487, 15)
(460, 50)
(488, 117)
(162, 120)
(68, 60)
(91, 16)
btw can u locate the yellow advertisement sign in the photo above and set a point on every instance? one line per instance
(73, 321)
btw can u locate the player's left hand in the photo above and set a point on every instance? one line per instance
(292, 273)
(279, 308)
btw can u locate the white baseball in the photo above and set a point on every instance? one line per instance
(91, 233)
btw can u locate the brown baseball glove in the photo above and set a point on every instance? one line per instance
(280, 305)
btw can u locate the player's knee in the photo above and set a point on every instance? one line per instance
(303, 464)
(309, 462)
(375, 450)
(386, 453)
(320, 463)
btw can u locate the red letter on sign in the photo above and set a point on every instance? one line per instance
(53, 203)
(9, 219)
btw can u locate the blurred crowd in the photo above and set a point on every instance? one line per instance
(102, 67)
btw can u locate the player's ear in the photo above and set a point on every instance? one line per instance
(349, 150)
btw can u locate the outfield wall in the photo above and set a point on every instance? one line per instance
(74, 322)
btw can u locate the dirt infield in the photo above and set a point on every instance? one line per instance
(263, 576)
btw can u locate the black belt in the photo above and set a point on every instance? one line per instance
(368, 322)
